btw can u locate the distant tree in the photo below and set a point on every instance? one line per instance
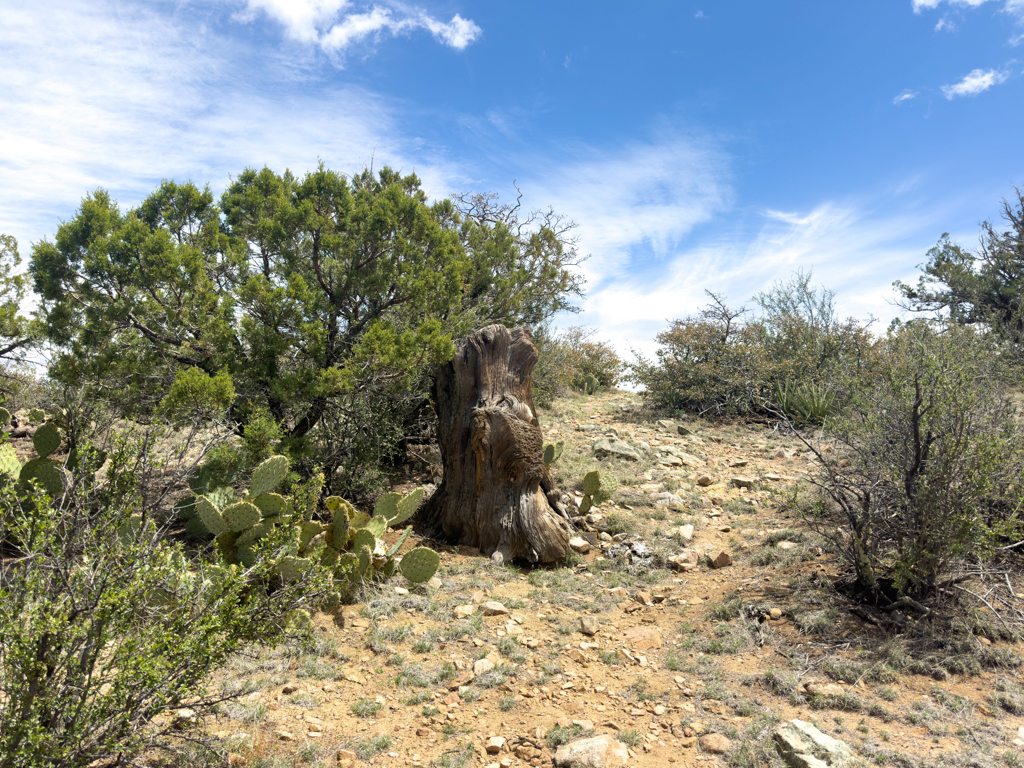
(16, 331)
(983, 288)
(326, 300)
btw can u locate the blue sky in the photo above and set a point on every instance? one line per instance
(698, 145)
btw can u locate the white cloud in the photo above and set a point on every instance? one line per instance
(1012, 7)
(945, 23)
(904, 96)
(334, 25)
(975, 82)
(849, 249)
(643, 195)
(699, 15)
(118, 96)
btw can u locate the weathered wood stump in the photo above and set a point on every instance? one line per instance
(496, 494)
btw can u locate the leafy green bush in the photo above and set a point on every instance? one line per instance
(930, 462)
(722, 363)
(105, 624)
(568, 359)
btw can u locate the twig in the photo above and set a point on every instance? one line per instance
(1009, 586)
(986, 602)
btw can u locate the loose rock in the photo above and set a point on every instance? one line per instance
(589, 625)
(494, 608)
(602, 751)
(579, 544)
(801, 745)
(715, 743)
(721, 560)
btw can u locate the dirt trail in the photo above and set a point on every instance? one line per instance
(428, 675)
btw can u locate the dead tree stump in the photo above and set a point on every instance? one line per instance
(496, 493)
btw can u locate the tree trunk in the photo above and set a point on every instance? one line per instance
(496, 494)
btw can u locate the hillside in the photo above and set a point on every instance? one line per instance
(523, 658)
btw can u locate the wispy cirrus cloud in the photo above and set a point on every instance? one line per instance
(904, 96)
(335, 25)
(1012, 7)
(975, 82)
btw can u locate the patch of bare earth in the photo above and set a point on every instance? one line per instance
(493, 665)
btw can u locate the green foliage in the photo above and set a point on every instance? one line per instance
(17, 333)
(36, 416)
(930, 466)
(321, 303)
(46, 440)
(572, 360)
(597, 489)
(552, 451)
(806, 403)
(721, 363)
(105, 624)
(981, 289)
(194, 394)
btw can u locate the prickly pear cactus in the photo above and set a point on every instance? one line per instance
(5, 419)
(552, 451)
(241, 515)
(387, 506)
(46, 439)
(210, 516)
(268, 475)
(598, 489)
(37, 416)
(10, 466)
(407, 507)
(270, 504)
(290, 569)
(420, 564)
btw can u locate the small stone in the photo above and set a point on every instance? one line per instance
(715, 743)
(589, 625)
(494, 744)
(824, 689)
(644, 598)
(579, 544)
(421, 732)
(602, 751)
(984, 640)
(401, 591)
(775, 613)
(285, 736)
(434, 583)
(644, 638)
(586, 725)
(605, 536)
(704, 481)
(289, 689)
(348, 756)
(494, 608)
(462, 611)
(722, 559)
(684, 430)
(743, 482)
(482, 667)
(686, 532)
(787, 545)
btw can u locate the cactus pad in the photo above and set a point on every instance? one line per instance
(37, 416)
(329, 557)
(249, 537)
(222, 497)
(363, 553)
(364, 538)
(339, 531)
(608, 486)
(9, 464)
(291, 568)
(387, 506)
(420, 564)
(377, 526)
(195, 528)
(241, 515)
(407, 507)
(5, 418)
(401, 540)
(358, 520)
(270, 504)
(592, 483)
(246, 556)
(210, 516)
(268, 475)
(185, 509)
(49, 476)
(46, 439)
(552, 451)
(307, 531)
(585, 505)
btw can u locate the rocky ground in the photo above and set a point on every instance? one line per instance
(696, 622)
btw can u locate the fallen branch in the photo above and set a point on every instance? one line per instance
(986, 602)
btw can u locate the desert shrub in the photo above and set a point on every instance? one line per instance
(722, 362)
(930, 462)
(105, 624)
(566, 358)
